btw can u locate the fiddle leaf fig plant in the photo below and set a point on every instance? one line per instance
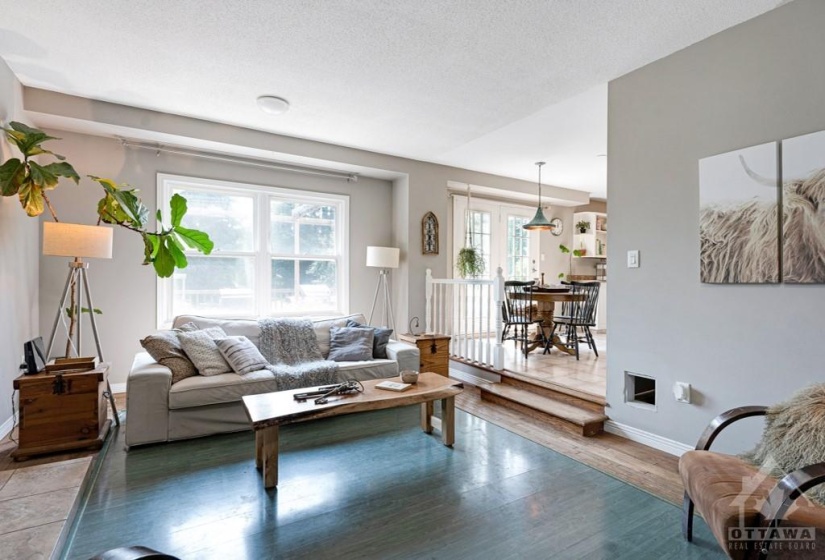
(120, 205)
(28, 179)
(574, 253)
(164, 249)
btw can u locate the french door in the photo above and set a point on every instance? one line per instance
(495, 229)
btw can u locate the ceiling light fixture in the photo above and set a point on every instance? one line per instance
(539, 222)
(273, 105)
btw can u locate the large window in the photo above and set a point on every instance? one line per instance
(519, 266)
(277, 251)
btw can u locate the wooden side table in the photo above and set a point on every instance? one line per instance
(62, 412)
(434, 350)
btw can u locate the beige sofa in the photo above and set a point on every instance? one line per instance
(198, 406)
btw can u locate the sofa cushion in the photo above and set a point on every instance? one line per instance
(222, 388)
(201, 348)
(232, 327)
(322, 327)
(166, 350)
(241, 355)
(351, 344)
(371, 369)
(379, 343)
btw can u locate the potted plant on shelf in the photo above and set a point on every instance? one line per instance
(583, 226)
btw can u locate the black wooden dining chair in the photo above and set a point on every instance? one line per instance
(521, 312)
(578, 315)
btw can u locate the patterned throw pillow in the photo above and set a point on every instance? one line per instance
(201, 348)
(350, 344)
(165, 349)
(379, 343)
(243, 356)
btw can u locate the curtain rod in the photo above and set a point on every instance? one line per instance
(158, 148)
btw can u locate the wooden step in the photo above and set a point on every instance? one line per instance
(528, 382)
(582, 421)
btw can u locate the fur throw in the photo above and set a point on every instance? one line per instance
(291, 347)
(794, 437)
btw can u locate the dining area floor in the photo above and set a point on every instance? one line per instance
(588, 374)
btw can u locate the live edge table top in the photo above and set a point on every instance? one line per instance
(280, 408)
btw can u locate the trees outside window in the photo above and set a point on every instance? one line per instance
(277, 252)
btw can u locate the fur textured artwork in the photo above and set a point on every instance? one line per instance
(794, 437)
(739, 243)
(291, 348)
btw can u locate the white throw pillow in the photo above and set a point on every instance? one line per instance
(201, 348)
(243, 356)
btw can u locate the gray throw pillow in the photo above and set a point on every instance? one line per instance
(243, 356)
(379, 343)
(201, 348)
(165, 349)
(350, 344)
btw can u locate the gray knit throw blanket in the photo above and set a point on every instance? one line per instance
(291, 348)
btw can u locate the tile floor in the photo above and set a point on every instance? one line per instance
(36, 497)
(588, 374)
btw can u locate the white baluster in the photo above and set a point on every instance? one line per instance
(428, 295)
(498, 288)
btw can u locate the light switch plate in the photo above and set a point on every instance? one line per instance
(633, 259)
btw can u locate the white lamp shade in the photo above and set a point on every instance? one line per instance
(383, 257)
(75, 240)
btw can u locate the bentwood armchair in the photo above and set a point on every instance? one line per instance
(734, 496)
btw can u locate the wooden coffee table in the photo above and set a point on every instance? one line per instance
(268, 411)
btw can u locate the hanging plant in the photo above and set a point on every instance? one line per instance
(470, 263)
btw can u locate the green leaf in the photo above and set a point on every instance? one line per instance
(125, 207)
(37, 150)
(159, 217)
(561, 275)
(164, 262)
(563, 249)
(42, 176)
(11, 176)
(150, 247)
(31, 197)
(28, 139)
(178, 205)
(63, 169)
(176, 251)
(195, 239)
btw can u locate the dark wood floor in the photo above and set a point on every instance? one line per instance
(374, 486)
(650, 469)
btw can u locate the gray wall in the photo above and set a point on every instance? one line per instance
(757, 82)
(124, 289)
(19, 253)
(418, 187)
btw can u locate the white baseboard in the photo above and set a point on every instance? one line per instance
(6, 427)
(118, 387)
(670, 446)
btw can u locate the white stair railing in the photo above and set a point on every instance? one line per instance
(469, 312)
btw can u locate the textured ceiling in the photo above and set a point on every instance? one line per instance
(463, 82)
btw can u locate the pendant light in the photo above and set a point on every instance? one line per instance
(539, 221)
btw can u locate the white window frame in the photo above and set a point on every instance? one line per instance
(262, 252)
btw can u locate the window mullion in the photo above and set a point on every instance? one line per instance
(263, 265)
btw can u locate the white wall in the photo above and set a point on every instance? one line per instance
(124, 289)
(737, 344)
(19, 253)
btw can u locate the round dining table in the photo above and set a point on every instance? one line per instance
(546, 299)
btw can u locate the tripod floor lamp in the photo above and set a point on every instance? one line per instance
(78, 241)
(385, 258)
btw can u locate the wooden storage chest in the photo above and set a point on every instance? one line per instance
(61, 412)
(434, 350)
